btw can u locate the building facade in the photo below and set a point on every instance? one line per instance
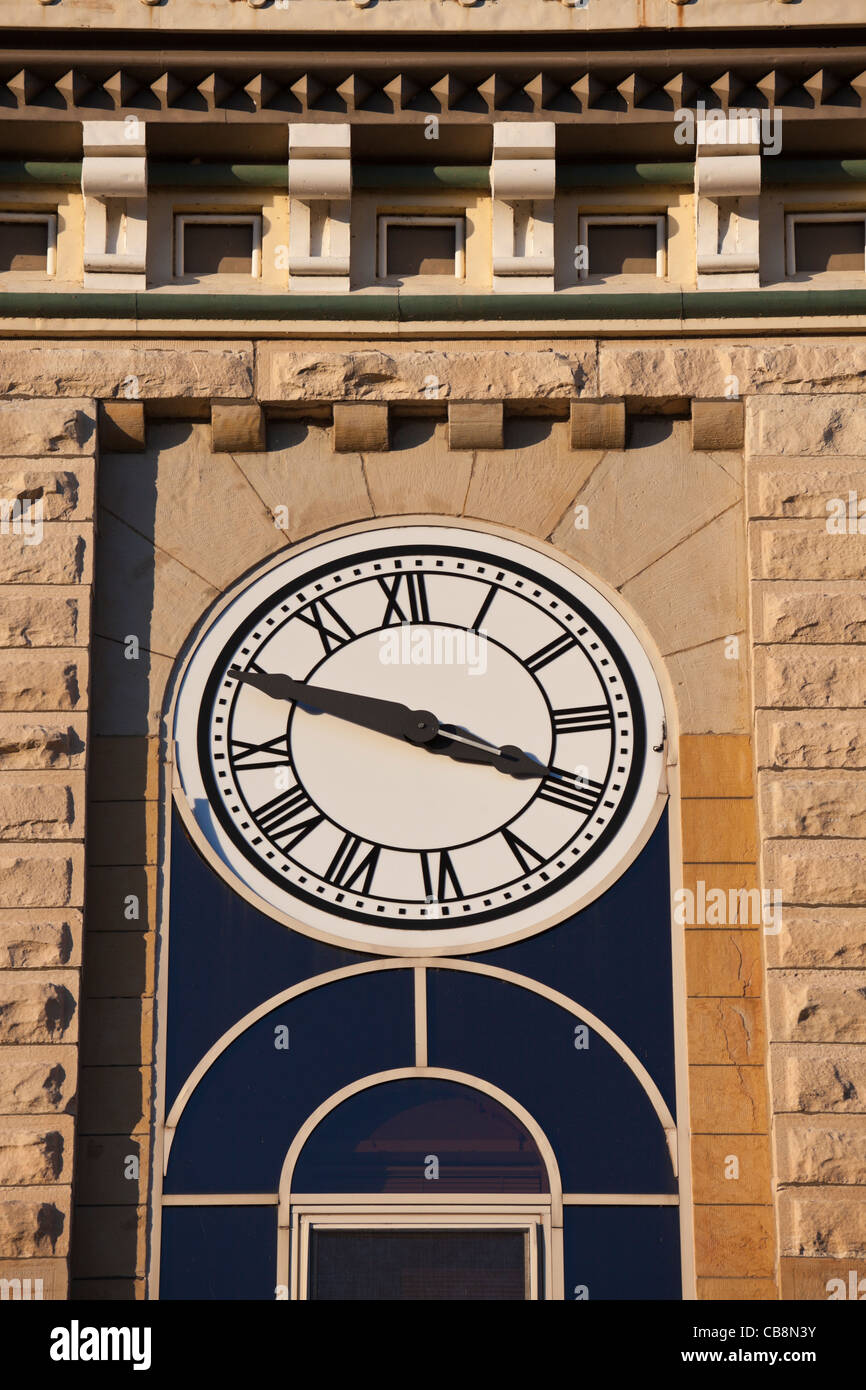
(499, 366)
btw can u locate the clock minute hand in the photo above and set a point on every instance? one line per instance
(383, 716)
(455, 743)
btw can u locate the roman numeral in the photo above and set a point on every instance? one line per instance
(276, 751)
(288, 817)
(333, 630)
(343, 869)
(581, 721)
(576, 794)
(558, 647)
(521, 850)
(447, 882)
(409, 590)
(482, 612)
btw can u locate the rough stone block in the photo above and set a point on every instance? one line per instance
(813, 803)
(58, 553)
(35, 1221)
(39, 1079)
(788, 550)
(44, 875)
(817, 1078)
(823, 1149)
(44, 680)
(150, 368)
(817, 871)
(791, 677)
(33, 617)
(66, 493)
(829, 1222)
(34, 939)
(809, 738)
(32, 428)
(820, 936)
(788, 490)
(30, 1279)
(815, 1280)
(42, 806)
(802, 427)
(37, 1007)
(817, 1005)
(35, 1151)
(813, 611)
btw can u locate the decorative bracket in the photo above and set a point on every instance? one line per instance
(320, 194)
(114, 185)
(523, 181)
(727, 202)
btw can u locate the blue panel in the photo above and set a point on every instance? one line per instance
(225, 958)
(622, 1252)
(219, 1252)
(614, 958)
(242, 1117)
(604, 1131)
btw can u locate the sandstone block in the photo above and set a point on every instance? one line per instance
(32, 428)
(715, 765)
(43, 875)
(31, 617)
(734, 1240)
(725, 1031)
(819, 1079)
(35, 1279)
(723, 963)
(811, 611)
(123, 769)
(59, 553)
(121, 427)
(790, 677)
(718, 425)
(736, 1290)
(809, 738)
(813, 803)
(42, 806)
(764, 367)
(804, 550)
(532, 481)
(115, 1100)
(35, 1151)
(39, 1079)
(109, 1242)
(473, 425)
(820, 936)
(712, 1168)
(128, 695)
(33, 938)
(122, 832)
(119, 1032)
(38, 1009)
(360, 428)
(482, 372)
(817, 1280)
(66, 493)
(728, 1100)
(711, 690)
(815, 1222)
(798, 426)
(739, 877)
(236, 427)
(103, 1167)
(597, 425)
(721, 828)
(44, 680)
(27, 742)
(828, 1150)
(112, 369)
(120, 965)
(35, 1222)
(788, 490)
(817, 1005)
(817, 871)
(120, 899)
(419, 473)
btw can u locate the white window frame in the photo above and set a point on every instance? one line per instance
(791, 221)
(420, 219)
(50, 220)
(637, 219)
(364, 1212)
(184, 219)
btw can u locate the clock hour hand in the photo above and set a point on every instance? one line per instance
(383, 716)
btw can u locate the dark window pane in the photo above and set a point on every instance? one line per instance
(217, 248)
(420, 1136)
(829, 246)
(617, 250)
(418, 1265)
(421, 250)
(23, 246)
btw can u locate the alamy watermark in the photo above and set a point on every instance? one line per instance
(719, 907)
(21, 516)
(737, 126)
(413, 645)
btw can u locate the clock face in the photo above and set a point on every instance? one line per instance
(373, 840)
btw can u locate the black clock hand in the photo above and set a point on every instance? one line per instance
(383, 716)
(398, 721)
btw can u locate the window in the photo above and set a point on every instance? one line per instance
(28, 242)
(411, 246)
(631, 245)
(216, 244)
(826, 241)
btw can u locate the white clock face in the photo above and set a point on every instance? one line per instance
(359, 835)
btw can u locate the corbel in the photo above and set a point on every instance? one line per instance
(121, 427)
(727, 201)
(320, 205)
(598, 424)
(114, 187)
(237, 427)
(475, 426)
(523, 184)
(360, 427)
(718, 425)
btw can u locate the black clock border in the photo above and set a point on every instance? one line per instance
(217, 675)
